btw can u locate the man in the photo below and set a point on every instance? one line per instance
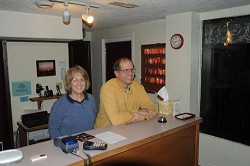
(123, 100)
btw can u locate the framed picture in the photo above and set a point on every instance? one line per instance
(45, 68)
(153, 63)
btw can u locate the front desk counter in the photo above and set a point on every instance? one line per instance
(148, 143)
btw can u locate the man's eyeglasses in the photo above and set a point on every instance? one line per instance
(126, 71)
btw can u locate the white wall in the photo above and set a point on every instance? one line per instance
(43, 27)
(182, 64)
(22, 58)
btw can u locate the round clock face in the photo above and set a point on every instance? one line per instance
(176, 41)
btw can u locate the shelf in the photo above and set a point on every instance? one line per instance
(24, 132)
(39, 100)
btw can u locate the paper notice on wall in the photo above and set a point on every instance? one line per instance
(21, 88)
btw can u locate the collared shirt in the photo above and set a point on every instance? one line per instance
(116, 105)
(69, 116)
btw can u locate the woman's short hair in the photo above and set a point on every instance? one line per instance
(69, 77)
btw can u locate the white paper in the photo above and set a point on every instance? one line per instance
(110, 137)
(163, 93)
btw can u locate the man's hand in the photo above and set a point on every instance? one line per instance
(137, 117)
(141, 115)
(147, 111)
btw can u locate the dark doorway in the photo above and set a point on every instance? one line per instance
(114, 51)
(226, 92)
(225, 79)
(6, 129)
(79, 54)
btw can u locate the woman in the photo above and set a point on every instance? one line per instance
(74, 112)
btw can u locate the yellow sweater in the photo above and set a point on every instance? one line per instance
(116, 105)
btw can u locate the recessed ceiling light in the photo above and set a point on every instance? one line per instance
(44, 4)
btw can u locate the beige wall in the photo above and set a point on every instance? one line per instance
(22, 58)
(43, 27)
(182, 64)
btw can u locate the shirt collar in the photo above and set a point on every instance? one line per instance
(126, 91)
(73, 101)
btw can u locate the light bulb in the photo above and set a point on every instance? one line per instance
(89, 19)
(66, 16)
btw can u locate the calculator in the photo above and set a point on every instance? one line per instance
(88, 145)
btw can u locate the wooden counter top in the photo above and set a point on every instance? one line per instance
(141, 134)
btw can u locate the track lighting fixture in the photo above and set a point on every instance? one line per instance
(66, 15)
(87, 24)
(86, 18)
(89, 19)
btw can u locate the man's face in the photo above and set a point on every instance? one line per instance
(126, 74)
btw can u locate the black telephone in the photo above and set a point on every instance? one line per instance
(88, 145)
(58, 91)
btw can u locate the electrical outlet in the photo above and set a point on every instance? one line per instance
(59, 84)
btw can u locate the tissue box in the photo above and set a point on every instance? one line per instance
(166, 107)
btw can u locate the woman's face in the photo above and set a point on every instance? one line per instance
(78, 84)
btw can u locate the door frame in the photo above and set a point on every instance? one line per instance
(8, 135)
(113, 40)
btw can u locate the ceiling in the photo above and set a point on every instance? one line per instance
(112, 16)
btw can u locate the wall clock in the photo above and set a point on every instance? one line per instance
(176, 41)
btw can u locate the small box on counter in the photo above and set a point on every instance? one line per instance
(171, 107)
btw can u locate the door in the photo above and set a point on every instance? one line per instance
(6, 129)
(225, 91)
(79, 54)
(114, 51)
